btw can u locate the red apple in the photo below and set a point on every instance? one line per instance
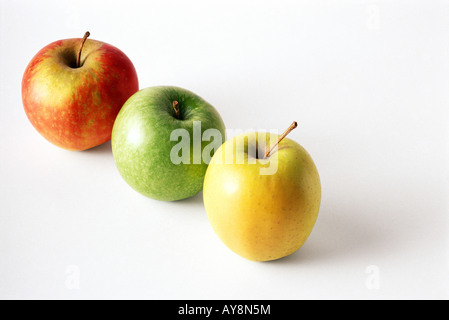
(73, 89)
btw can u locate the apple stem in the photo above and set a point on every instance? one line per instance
(176, 107)
(78, 59)
(292, 126)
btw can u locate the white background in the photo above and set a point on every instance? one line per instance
(368, 83)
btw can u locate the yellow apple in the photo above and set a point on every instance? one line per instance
(262, 208)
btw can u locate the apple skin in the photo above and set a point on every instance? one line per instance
(262, 217)
(141, 142)
(75, 107)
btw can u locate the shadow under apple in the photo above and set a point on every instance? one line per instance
(196, 200)
(104, 148)
(340, 233)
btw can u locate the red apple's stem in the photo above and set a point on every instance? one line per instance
(292, 126)
(78, 59)
(176, 107)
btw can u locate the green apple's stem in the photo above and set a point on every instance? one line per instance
(78, 59)
(292, 126)
(176, 107)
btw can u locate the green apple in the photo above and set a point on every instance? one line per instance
(163, 139)
(262, 205)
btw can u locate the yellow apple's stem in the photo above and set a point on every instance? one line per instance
(176, 107)
(78, 59)
(292, 126)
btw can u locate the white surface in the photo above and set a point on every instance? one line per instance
(368, 82)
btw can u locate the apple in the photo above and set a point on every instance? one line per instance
(264, 207)
(73, 89)
(163, 139)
